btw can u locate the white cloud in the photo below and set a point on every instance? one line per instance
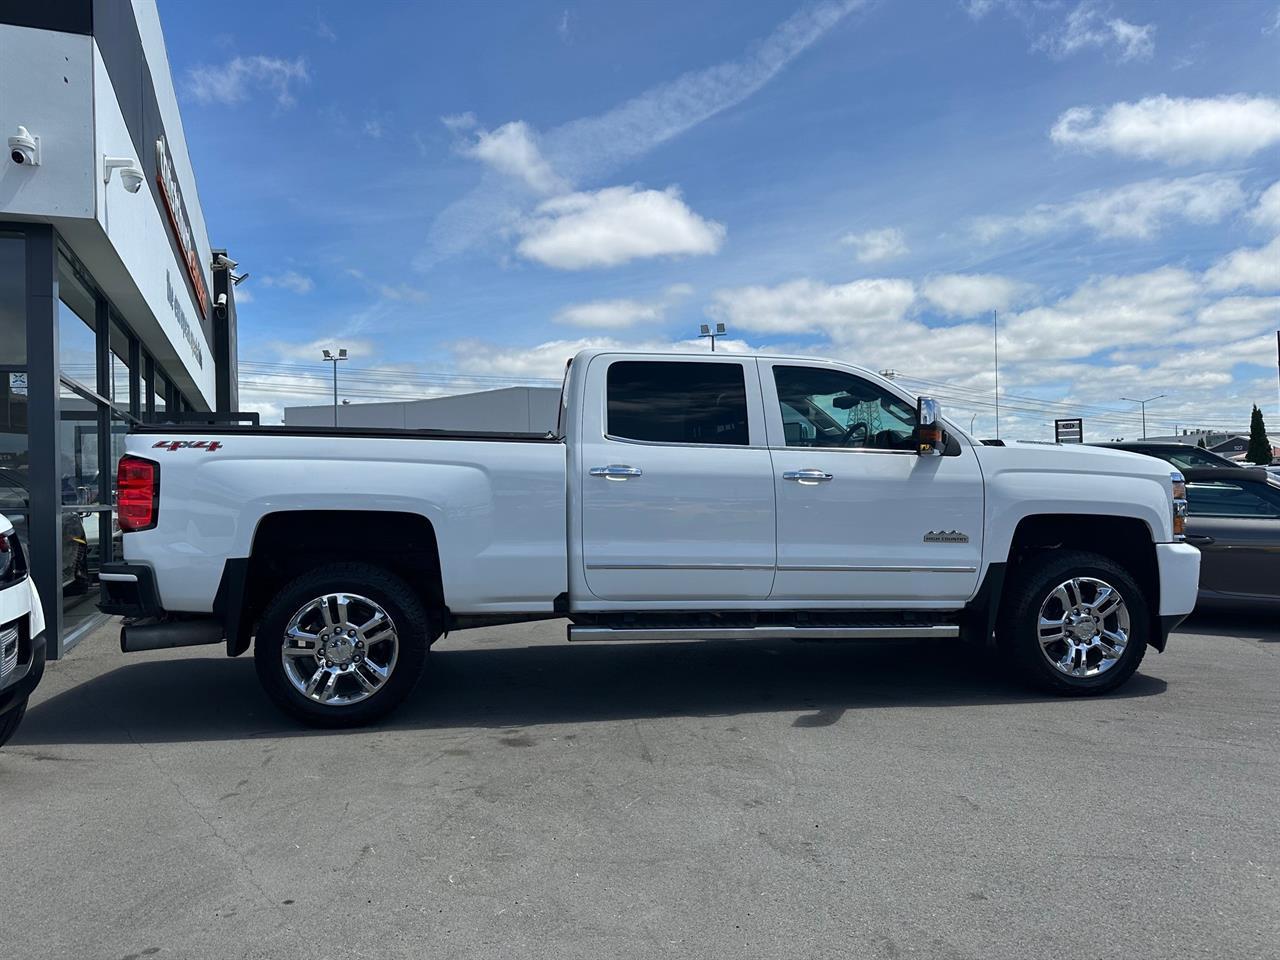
(313, 350)
(1233, 317)
(1175, 129)
(876, 245)
(809, 306)
(623, 313)
(1134, 211)
(240, 78)
(616, 225)
(289, 280)
(971, 294)
(1267, 212)
(512, 150)
(243, 296)
(399, 292)
(1247, 269)
(1088, 27)
(374, 129)
(548, 359)
(610, 314)
(589, 148)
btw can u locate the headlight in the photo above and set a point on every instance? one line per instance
(1179, 486)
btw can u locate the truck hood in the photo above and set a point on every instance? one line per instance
(1071, 458)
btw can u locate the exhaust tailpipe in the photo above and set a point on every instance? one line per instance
(163, 634)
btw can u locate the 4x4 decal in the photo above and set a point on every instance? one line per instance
(171, 445)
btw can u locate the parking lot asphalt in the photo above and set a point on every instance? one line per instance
(543, 799)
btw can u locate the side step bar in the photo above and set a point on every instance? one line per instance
(859, 632)
(163, 634)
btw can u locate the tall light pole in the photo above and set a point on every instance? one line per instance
(1144, 410)
(330, 358)
(705, 330)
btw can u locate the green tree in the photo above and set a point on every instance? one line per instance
(1259, 451)
(1202, 445)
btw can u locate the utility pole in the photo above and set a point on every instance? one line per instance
(330, 358)
(995, 340)
(705, 330)
(1144, 410)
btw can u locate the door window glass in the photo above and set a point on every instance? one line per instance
(674, 402)
(1225, 498)
(823, 407)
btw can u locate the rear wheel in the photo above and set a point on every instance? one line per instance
(1075, 623)
(342, 645)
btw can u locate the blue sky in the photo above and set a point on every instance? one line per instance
(481, 189)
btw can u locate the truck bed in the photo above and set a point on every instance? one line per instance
(397, 433)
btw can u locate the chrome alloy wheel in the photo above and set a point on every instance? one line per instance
(339, 649)
(1084, 627)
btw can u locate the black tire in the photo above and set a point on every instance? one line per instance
(402, 605)
(10, 721)
(1018, 634)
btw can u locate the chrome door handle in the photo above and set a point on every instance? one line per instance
(616, 471)
(808, 476)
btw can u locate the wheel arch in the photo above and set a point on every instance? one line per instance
(1126, 540)
(287, 543)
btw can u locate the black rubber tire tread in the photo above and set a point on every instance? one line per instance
(400, 600)
(10, 721)
(1017, 632)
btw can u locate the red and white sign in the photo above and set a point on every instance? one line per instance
(181, 226)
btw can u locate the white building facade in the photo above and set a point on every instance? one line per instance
(114, 307)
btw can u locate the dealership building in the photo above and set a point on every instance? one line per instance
(114, 308)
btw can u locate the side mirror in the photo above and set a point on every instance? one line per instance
(928, 427)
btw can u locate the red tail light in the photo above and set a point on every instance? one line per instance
(138, 493)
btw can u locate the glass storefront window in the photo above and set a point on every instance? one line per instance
(77, 340)
(13, 378)
(13, 301)
(119, 366)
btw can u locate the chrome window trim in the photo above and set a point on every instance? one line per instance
(871, 568)
(679, 566)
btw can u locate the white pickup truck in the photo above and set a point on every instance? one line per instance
(682, 497)
(22, 640)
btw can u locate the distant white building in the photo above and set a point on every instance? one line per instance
(510, 409)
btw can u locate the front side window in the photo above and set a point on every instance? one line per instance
(673, 402)
(823, 407)
(1230, 498)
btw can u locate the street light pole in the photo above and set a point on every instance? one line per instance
(1144, 410)
(706, 330)
(331, 358)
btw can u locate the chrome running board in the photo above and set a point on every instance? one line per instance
(859, 632)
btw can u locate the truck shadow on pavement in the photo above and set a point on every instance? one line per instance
(196, 698)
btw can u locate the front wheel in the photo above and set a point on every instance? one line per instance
(1075, 623)
(342, 645)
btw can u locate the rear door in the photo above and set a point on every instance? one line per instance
(676, 483)
(1236, 525)
(862, 517)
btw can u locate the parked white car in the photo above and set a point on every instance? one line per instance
(22, 647)
(682, 497)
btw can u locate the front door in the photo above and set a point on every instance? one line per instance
(676, 483)
(1236, 525)
(861, 516)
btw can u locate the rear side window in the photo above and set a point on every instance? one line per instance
(672, 402)
(1228, 498)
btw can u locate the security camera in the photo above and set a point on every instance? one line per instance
(131, 175)
(24, 148)
(223, 262)
(221, 301)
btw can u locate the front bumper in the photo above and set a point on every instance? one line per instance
(25, 677)
(1179, 566)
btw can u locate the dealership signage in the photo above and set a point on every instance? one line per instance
(1068, 431)
(178, 222)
